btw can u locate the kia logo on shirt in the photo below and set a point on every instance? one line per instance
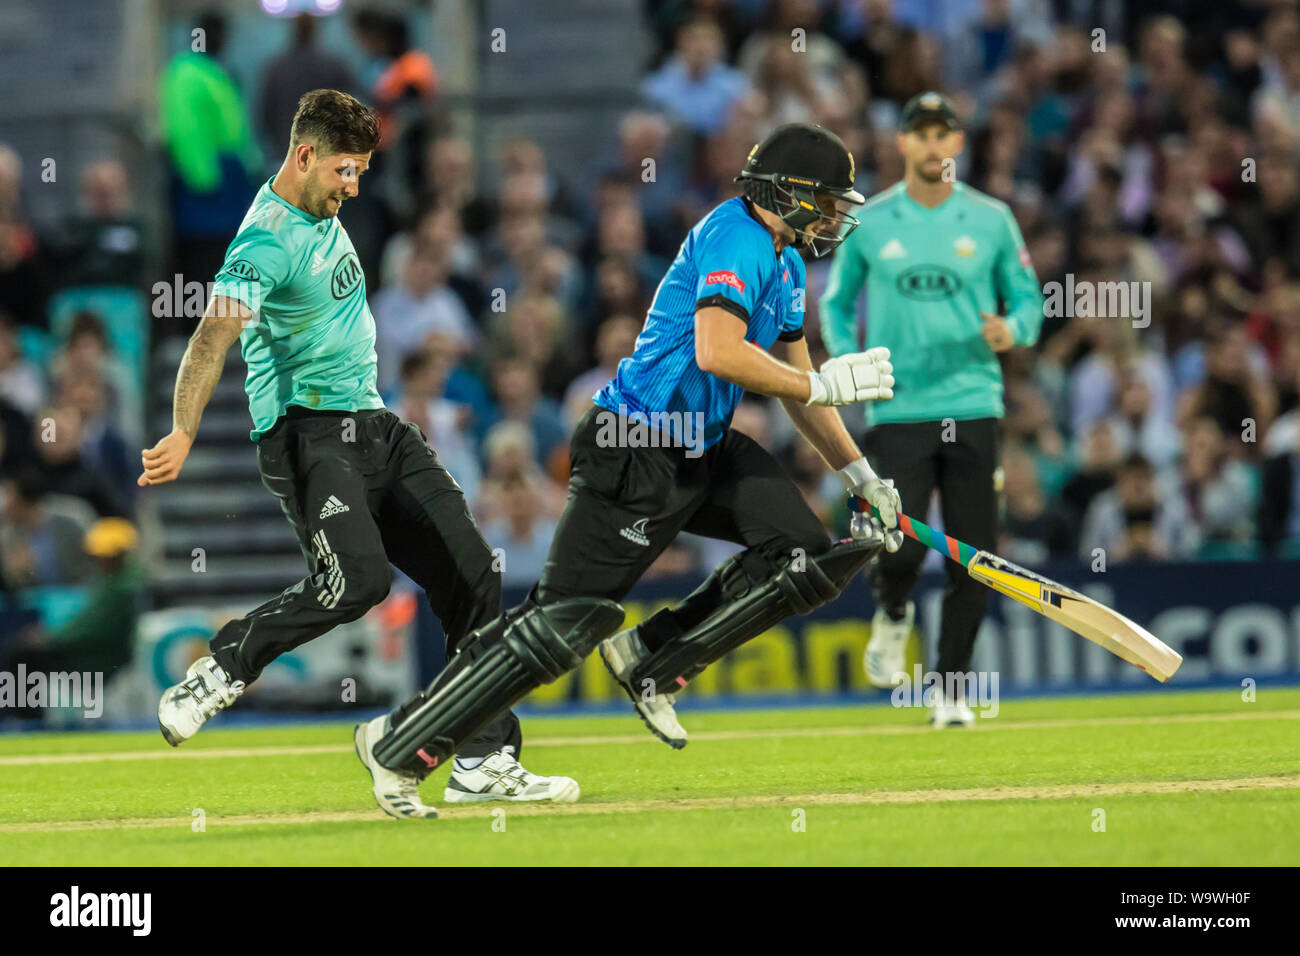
(243, 269)
(346, 277)
(929, 283)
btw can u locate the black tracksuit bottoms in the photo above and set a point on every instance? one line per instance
(363, 489)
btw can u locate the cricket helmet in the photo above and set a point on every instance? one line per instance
(785, 172)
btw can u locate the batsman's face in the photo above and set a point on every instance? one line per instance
(928, 150)
(834, 210)
(331, 180)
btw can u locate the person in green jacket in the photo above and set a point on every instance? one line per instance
(949, 286)
(213, 158)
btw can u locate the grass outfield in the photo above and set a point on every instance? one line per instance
(1195, 778)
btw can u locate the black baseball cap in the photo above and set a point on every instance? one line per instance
(928, 107)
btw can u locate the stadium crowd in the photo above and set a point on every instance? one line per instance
(1151, 150)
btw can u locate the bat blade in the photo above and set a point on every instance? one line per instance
(1078, 612)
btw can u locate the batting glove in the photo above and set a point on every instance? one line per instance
(857, 377)
(859, 479)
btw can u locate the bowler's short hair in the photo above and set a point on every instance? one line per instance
(334, 123)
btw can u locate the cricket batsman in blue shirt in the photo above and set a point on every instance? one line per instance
(949, 287)
(656, 456)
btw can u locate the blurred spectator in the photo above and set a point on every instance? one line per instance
(880, 33)
(1279, 500)
(522, 157)
(87, 353)
(424, 303)
(809, 471)
(465, 385)
(39, 546)
(1235, 392)
(824, 58)
(791, 89)
(615, 340)
(1131, 522)
(400, 78)
(1099, 460)
(450, 182)
(1140, 429)
(534, 329)
(21, 383)
(650, 166)
(103, 447)
(1094, 382)
(1216, 494)
(510, 456)
(300, 68)
(16, 447)
(911, 67)
(1032, 531)
(695, 85)
(516, 386)
(439, 227)
(621, 232)
(59, 438)
(104, 244)
(101, 636)
(24, 268)
(616, 289)
(1269, 220)
(522, 532)
(1030, 425)
(212, 155)
(445, 424)
(519, 243)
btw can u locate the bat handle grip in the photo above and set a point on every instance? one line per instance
(862, 506)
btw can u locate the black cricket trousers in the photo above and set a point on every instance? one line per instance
(362, 489)
(627, 504)
(920, 459)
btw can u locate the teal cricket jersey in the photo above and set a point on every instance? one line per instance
(929, 273)
(313, 339)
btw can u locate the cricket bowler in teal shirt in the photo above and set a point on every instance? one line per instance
(949, 286)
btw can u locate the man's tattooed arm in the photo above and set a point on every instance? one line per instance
(203, 360)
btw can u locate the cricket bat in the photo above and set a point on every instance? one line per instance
(1067, 607)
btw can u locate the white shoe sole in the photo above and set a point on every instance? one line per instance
(677, 743)
(566, 792)
(359, 743)
(175, 741)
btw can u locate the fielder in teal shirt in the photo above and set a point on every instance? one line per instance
(931, 275)
(949, 285)
(312, 341)
(361, 489)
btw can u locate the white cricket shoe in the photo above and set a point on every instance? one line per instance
(499, 776)
(621, 653)
(396, 792)
(187, 706)
(951, 713)
(885, 659)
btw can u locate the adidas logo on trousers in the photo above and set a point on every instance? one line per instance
(333, 507)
